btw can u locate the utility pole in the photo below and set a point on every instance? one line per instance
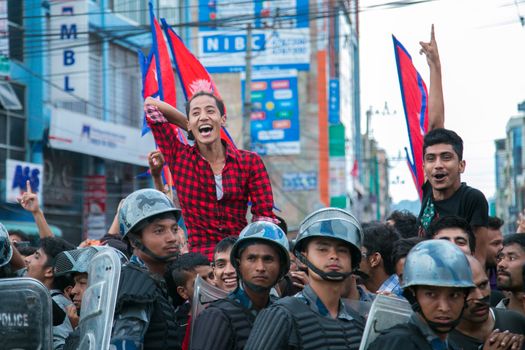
(247, 90)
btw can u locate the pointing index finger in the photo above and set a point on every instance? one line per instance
(28, 186)
(432, 35)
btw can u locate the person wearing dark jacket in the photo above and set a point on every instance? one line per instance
(436, 281)
(328, 243)
(260, 257)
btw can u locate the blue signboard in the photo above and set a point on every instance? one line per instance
(275, 113)
(280, 35)
(300, 181)
(333, 101)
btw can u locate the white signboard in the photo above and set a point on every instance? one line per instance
(17, 175)
(225, 51)
(78, 133)
(337, 176)
(69, 50)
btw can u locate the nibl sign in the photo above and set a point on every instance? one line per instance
(17, 175)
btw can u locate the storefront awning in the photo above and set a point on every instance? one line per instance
(29, 228)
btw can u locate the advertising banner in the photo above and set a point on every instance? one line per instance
(94, 212)
(17, 174)
(78, 133)
(280, 36)
(275, 112)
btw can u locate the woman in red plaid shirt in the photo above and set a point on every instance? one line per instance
(213, 180)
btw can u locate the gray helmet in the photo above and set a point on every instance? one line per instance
(265, 232)
(438, 263)
(141, 205)
(75, 261)
(6, 251)
(333, 223)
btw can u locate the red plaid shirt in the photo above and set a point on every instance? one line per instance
(209, 220)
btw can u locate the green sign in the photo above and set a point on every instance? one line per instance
(4, 65)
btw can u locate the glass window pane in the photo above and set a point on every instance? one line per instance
(3, 157)
(8, 97)
(20, 93)
(17, 155)
(17, 132)
(3, 129)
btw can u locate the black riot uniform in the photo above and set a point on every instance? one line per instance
(144, 313)
(300, 323)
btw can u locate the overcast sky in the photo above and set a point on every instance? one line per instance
(482, 49)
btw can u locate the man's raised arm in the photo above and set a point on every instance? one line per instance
(172, 114)
(436, 105)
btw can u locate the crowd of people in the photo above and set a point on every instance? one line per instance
(462, 279)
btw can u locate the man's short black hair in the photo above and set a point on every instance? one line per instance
(446, 136)
(495, 223)
(452, 221)
(180, 270)
(402, 248)
(26, 250)
(52, 246)
(23, 236)
(515, 238)
(405, 223)
(380, 238)
(224, 245)
(218, 102)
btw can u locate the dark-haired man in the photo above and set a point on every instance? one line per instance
(481, 324)
(443, 193)
(260, 256)
(225, 276)
(40, 266)
(214, 180)
(328, 243)
(404, 222)
(437, 279)
(495, 244)
(144, 314)
(511, 260)
(377, 269)
(454, 229)
(180, 278)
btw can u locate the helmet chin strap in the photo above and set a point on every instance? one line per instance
(333, 276)
(256, 288)
(148, 252)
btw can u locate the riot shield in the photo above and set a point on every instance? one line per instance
(203, 294)
(386, 312)
(98, 302)
(25, 315)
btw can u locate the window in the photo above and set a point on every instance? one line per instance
(138, 11)
(94, 107)
(125, 86)
(16, 29)
(12, 131)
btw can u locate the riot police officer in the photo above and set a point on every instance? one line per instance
(328, 243)
(260, 258)
(436, 281)
(144, 315)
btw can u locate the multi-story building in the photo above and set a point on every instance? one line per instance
(73, 70)
(510, 175)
